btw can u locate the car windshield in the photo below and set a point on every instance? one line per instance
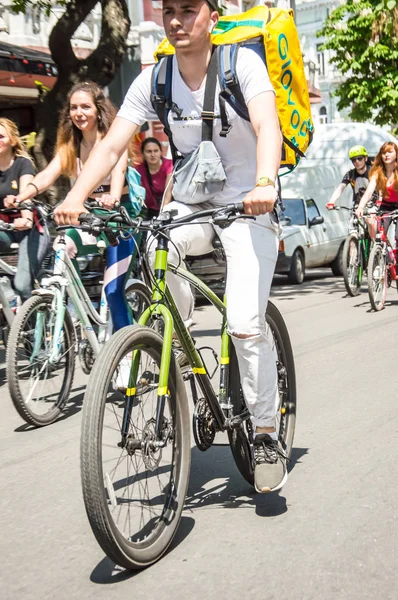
(294, 213)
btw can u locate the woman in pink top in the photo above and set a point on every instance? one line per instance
(155, 174)
(383, 177)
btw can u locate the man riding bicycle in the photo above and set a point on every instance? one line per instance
(250, 157)
(357, 178)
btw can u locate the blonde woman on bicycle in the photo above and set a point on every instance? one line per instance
(85, 120)
(16, 173)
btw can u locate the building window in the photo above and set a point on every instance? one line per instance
(36, 17)
(323, 115)
(320, 58)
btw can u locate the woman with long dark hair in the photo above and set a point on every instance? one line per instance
(16, 173)
(84, 121)
(155, 172)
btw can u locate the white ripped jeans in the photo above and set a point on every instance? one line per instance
(251, 249)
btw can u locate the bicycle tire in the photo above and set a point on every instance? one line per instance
(142, 298)
(17, 394)
(352, 276)
(239, 439)
(377, 280)
(125, 552)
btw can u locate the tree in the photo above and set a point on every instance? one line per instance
(100, 66)
(363, 35)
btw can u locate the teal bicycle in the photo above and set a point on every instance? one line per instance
(135, 442)
(44, 338)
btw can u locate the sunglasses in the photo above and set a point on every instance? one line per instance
(357, 158)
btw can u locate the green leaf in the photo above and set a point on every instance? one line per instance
(364, 49)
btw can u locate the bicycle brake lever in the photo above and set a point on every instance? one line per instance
(111, 237)
(91, 223)
(223, 220)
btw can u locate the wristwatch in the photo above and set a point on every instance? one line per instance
(264, 181)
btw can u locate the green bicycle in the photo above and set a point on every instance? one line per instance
(356, 253)
(135, 444)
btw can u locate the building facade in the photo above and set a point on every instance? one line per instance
(310, 17)
(32, 30)
(26, 67)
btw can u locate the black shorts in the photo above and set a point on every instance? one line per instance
(387, 207)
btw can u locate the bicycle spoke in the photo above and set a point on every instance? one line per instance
(137, 481)
(40, 385)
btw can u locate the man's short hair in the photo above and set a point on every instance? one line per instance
(212, 3)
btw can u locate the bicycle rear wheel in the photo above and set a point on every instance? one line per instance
(352, 265)
(39, 387)
(134, 492)
(241, 439)
(377, 277)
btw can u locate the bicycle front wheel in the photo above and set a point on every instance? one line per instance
(241, 439)
(352, 265)
(377, 277)
(134, 487)
(40, 383)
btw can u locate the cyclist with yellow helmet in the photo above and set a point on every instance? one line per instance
(357, 178)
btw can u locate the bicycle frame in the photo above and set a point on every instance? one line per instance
(164, 305)
(383, 224)
(66, 280)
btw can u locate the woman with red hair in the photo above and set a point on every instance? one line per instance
(383, 178)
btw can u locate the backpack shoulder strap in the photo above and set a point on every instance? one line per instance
(229, 83)
(161, 87)
(209, 97)
(161, 96)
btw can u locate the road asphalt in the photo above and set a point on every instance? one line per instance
(329, 534)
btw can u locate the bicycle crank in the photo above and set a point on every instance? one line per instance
(204, 430)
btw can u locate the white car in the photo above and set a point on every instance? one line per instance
(309, 239)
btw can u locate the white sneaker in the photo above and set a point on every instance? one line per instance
(122, 374)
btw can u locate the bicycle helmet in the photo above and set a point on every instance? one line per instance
(356, 151)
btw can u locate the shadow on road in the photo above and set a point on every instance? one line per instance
(107, 572)
(73, 406)
(317, 282)
(215, 482)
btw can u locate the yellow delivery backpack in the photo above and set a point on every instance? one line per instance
(272, 34)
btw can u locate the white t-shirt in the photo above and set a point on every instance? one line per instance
(237, 150)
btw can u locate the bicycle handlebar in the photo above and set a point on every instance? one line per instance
(219, 216)
(392, 215)
(330, 206)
